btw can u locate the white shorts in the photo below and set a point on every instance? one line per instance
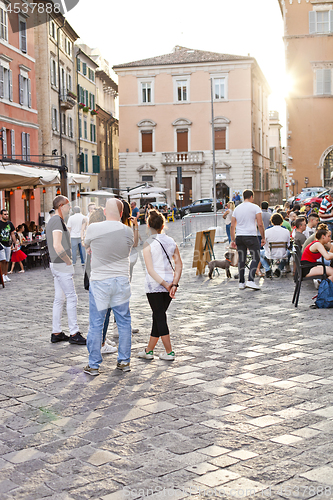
(5, 254)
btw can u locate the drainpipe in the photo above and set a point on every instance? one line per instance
(78, 107)
(59, 87)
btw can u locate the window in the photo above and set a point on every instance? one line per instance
(25, 146)
(6, 83)
(63, 123)
(80, 128)
(69, 47)
(55, 123)
(182, 94)
(69, 81)
(146, 92)
(52, 29)
(92, 132)
(12, 144)
(4, 141)
(84, 68)
(147, 178)
(219, 88)
(54, 79)
(23, 35)
(78, 63)
(63, 82)
(91, 101)
(70, 127)
(182, 140)
(147, 141)
(220, 138)
(25, 90)
(91, 74)
(267, 181)
(323, 81)
(86, 166)
(320, 21)
(85, 128)
(3, 24)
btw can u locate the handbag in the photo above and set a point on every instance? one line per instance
(325, 294)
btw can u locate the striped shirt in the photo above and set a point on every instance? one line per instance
(326, 207)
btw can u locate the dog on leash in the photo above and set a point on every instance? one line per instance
(230, 259)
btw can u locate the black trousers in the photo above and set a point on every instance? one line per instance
(245, 243)
(159, 303)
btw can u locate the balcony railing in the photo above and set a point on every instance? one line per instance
(67, 100)
(181, 158)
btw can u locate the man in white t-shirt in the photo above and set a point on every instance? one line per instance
(74, 225)
(275, 234)
(245, 219)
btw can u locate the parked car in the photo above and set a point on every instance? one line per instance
(202, 205)
(305, 194)
(316, 199)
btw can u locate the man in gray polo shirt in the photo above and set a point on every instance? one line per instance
(110, 243)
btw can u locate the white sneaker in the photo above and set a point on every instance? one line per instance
(108, 349)
(110, 342)
(167, 357)
(146, 355)
(6, 279)
(253, 285)
(241, 286)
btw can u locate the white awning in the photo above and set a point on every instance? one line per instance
(14, 175)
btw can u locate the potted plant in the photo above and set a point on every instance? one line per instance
(71, 94)
(81, 105)
(94, 112)
(85, 109)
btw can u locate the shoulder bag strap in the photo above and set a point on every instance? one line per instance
(165, 254)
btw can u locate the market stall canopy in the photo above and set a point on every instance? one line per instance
(14, 175)
(98, 194)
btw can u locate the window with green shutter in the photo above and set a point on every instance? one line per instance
(96, 165)
(86, 162)
(78, 64)
(84, 68)
(81, 162)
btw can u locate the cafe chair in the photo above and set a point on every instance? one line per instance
(298, 274)
(39, 254)
(275, 253)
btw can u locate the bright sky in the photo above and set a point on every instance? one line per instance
(128, 30)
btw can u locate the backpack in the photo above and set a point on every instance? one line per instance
(325, 294)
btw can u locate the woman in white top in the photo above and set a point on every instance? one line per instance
(161, 282)
(227, 216)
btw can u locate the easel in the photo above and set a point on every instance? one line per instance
(203, 250)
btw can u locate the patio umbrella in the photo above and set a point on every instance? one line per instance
(143, 190)
(12, 176)
(98, 194)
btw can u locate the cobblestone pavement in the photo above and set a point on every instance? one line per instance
(245, 410)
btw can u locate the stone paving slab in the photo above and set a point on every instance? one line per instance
(246, 407)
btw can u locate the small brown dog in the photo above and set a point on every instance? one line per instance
(231, 259)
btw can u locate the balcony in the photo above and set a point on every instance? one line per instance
(183, 158)
(67, 100)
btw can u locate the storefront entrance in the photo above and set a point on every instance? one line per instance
(222, 192)
(187, 199)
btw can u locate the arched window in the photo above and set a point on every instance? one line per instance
(328, 169)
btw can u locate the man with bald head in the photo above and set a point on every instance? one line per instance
(110, 243)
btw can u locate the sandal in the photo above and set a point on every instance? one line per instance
(260, 274)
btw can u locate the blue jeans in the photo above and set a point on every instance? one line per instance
(265, 264)
(76, 242)
(111, 293)
(227, 228)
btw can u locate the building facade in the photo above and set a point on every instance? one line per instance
(56, 95)
(86, 114)
(107, 124)
(18, 105)
(165, 122)
(308, 35)
(277, 167)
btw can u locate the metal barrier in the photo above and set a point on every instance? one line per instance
(193, 223)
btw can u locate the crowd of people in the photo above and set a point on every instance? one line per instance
(109, 237)
(272, 234)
